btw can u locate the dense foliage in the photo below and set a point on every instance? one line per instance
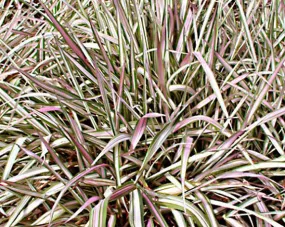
(142, 113)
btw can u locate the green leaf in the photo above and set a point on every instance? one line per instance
(98, 215)
(12, 157)
(157, 142)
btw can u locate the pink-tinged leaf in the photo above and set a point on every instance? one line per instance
(161, 69)
(122, 191)
(245, 210)
(112, 143)
(112, 221)
(22, 33)
(125, 23)
(282, 7)
(139, 130)
(156, 143)
(213, 41)
(4, 75)
(98, 39)
(65, 35)
(178, 153)
(153, 115)
(21, 189)
(263, 209)
(56, 158)
(183, 34)
(208, 209)
(98, 215)
(234, 175)
(83, 69)
(172, 22)
(196, 118)
(49, 108)
(42, 162)
(150, 223)
(224, 147)
(110, 71)
(86, 204)
(184, 161)
(154, 210)
(79, 141)
(121, 85)
(213, 96)
(230, 69)
(227, 144)
(268, 117)
(71, 182)
(47, 87)
(262, 93)
(212, 81)
(242, 174)
(83, 151)
(186, 60)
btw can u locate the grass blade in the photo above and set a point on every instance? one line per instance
(212, 81)
(12, 157)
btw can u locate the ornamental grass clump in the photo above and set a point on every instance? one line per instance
(142, 113)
